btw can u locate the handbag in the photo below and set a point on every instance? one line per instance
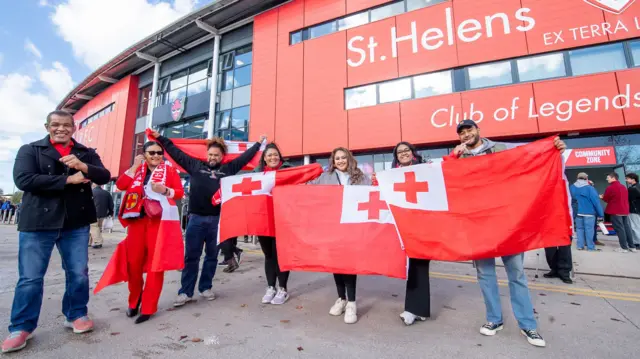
(152, 208)
(108, 223)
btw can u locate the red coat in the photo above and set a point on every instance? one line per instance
(617, 198)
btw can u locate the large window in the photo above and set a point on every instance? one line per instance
(189, 82)
(145, 97)
(596, 59)
(493, 74)
(96, 115)
(188, 129)
(541, 67)
(232, 117)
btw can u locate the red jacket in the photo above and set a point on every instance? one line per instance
(617, 198)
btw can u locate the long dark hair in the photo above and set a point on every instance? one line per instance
(356, 175)
(263, 164)
(417, 158)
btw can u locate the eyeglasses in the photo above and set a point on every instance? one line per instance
(403, 151)
(155, 153)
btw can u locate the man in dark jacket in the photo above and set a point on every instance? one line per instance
(634, 207)
(617, 198)
(472, 144)
(54, 174)
(104, 208)
(202, 229)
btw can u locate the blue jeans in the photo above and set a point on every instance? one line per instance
(585, 228)
(518, 290)
(34, 253)
(201, 231)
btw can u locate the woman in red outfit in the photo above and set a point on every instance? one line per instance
(148, 209)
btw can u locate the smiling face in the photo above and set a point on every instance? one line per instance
(153, 155)
(272, 158)
(469, 136)
(341, 161)
(404, 155)
(214, 156)
(60, 128)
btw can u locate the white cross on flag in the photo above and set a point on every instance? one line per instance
(247, 204)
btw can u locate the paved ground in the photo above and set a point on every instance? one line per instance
(597, 317)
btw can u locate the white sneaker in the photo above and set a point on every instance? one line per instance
(338, 308)
(633, 250)
(208, 295)
(268, 296)
(351, 313)
(409, 318)
(281, 297)
(621, 250)
(534, 338)
(181, 300)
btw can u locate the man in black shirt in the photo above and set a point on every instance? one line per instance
(202, 229)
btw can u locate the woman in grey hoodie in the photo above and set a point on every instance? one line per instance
(343, 171)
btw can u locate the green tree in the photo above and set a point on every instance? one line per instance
(1, 192)
(17, 197)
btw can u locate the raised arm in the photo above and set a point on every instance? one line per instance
(190, 164)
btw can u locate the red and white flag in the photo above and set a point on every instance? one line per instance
(337, 229)
(198, 149)
(481, 207)
(247, 204)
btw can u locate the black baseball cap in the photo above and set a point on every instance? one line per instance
(466, 123)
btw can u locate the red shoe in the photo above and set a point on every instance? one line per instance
(80, 325)
(16, 341)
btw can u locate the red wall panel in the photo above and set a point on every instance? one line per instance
(357, 5)
(625, 25)
(383, 66)
(554, 114)
(263, 96)
(629, 84)
(317, 11)
(325, 77)
(291, 17)
(553, 16)
(375, 126)
(431, 120)
(423, 60)
(494, 107)
(506, 41)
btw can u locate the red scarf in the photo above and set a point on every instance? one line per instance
(135, 194)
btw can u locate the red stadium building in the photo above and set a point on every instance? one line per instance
(366, 74)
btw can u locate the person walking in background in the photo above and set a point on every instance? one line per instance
(104, 208)
(18, 209)
(417, 301)
(204, 216)
(617, 198)
(589, 210)
(54, 174)
(343, 170)
(5, 210)
(634, 207)
(271, 160)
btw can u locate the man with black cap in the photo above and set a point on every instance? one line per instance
(471, 145)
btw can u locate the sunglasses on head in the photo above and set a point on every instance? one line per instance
(154, 153)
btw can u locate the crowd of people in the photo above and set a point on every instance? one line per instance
(56, 174)
(9, 212)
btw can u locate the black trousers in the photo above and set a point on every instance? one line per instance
(229, 248)
(560, 261)
(622, 226)
(271, 267)
(417, 300)
(346, 285)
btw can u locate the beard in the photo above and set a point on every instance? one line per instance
(473, 142)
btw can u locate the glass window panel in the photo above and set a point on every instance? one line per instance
(324, 162)
(164, 85)
(174, 131)
(198, 72)
(226, 135)
(388, 160)
(378, 163)
(196, 88)
(387, 11)
(434, 84)
(365, 163)
(244, 57)
(178, 80)
(436, 153)
(193, 129)
(360, 97)
(242, 76)
(395, 90)
(225, 100)
(227, 80)
(223, 121)
(635, 52)
(597, 59)
(242, 96)
(541, 67)
(181, 92)
(353, 21)
(493, 74)
(226, 62)
(239, 134)
(240, 117)
(419, 4)
(322, 29)
(296, 37)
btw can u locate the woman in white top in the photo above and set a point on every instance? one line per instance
(343, 170)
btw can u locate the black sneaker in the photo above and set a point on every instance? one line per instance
(534, 338)
(233, 265)
(239, 255)
(551, 274)
(491, 329)
(223, 264)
